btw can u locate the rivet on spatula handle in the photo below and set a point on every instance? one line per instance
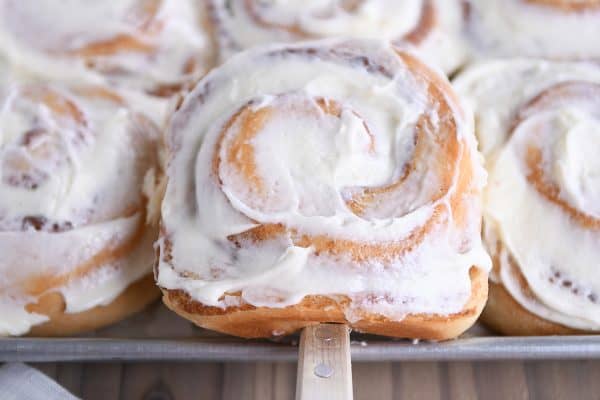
(324, 367)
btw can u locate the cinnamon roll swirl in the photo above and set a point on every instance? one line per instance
(539, 127)
(75, 236)
(432, 26)
(154, 46)
(558, 29)
(325, 181)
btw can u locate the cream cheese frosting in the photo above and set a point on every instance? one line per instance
(141, 45)
(433, 26)
(526, 29)
(71, 159)
(311, 161)
(553, 239)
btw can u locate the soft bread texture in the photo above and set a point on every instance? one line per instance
(131, 300)
(540, 227)
(504, 315)
(427, 280)
(137, 296)
(157, 47)
(259, 322)
(80, 269)
(432, 26)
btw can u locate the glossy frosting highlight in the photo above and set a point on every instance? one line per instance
(519, 28)
(283, 158)
(432, 26)
(72, 166)
(153, 46)
(539, 124)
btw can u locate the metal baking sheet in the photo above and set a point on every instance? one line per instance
(158, 334)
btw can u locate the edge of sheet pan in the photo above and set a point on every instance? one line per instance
(225, 349)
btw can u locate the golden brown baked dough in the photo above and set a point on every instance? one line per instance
(502, 312)
(252, 322)
(504, 315)
(537, 125)
(568, 5)
(135, 298)
(441, 167)
(432, 26)
(78, 169)
(154, 46)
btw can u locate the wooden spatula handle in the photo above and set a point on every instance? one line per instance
(324, 364)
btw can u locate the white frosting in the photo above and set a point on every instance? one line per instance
(47, 38)
(310, 163)
(76, 179)
(577, 167)
(555, 253)
(392, 20)
(518, 28)
(103, 285)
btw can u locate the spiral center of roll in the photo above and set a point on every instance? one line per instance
(39, 130)
(295, 153)
(577, 166)
(83, 27)
(561, 132)
(389, 19)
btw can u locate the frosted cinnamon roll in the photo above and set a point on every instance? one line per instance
(76, 171)
(539, 127)
(332, 181)
(557, 29)
(432, 26)
(155, 46)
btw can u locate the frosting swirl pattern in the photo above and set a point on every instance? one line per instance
(72, 164)
(557, 29)
(539, 124)
(432, 26)
(156, 46)
(344, 169)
